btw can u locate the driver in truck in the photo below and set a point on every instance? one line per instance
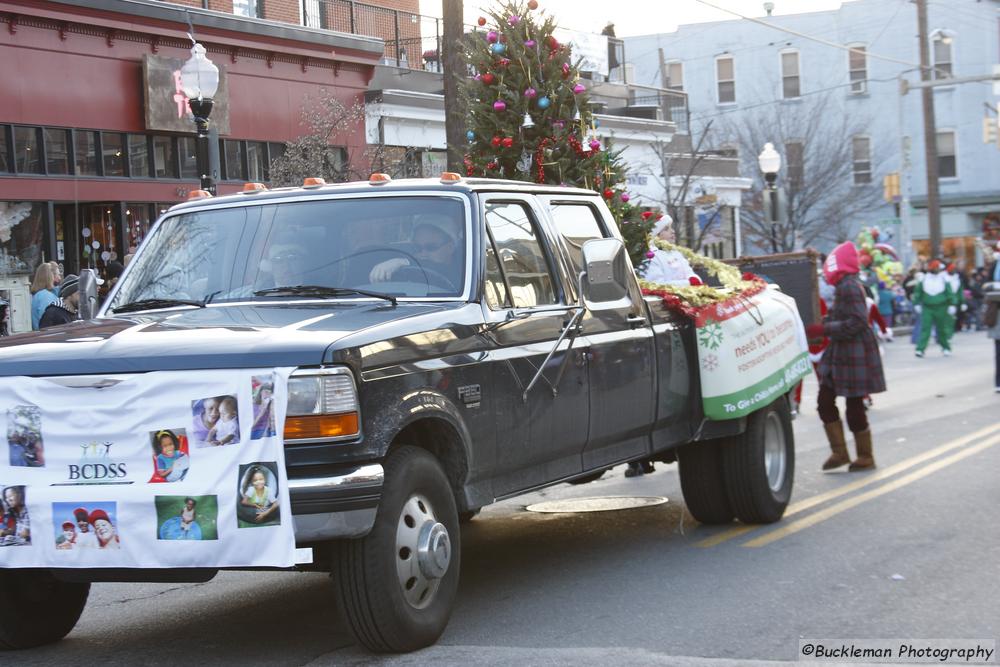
(435, 247)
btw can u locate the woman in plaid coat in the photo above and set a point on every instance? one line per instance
(851, 366)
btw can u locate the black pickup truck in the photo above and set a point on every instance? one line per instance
(494, 341)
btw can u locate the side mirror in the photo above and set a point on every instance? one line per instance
(604, 283)
(88, 294)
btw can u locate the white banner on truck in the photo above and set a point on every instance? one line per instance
(751, 351)
(151, 470)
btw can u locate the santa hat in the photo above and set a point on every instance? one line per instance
(97, 515)
(67, 525)
(661, 224)
(934, 264)
(841, 261)
(950, 267)
(80, 514)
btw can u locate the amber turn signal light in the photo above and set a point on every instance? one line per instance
(254, 187)
(450, 177)
(313, 182)
(378, 179)
(199, 194)
(321, 426)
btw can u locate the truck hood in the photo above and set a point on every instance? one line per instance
(219, 336)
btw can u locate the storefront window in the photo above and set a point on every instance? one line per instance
(86, 153)
(20, 236)
(57, 151)
(164, 157)
(138, 156)
(189, 157)
(27, 157)
(234, 161)
(5, 164)
(257, 161)
(138, 220)
(113, 147)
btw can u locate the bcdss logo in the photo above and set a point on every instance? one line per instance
(96, 466)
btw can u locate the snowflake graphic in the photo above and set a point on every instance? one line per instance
(710, 335)
(710, 362)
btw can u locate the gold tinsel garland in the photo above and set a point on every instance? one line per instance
(697, 296)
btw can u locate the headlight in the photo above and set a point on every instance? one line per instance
(322, 404)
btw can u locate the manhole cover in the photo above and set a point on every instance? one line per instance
(601, 504)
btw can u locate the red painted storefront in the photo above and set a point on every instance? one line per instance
(73, 67)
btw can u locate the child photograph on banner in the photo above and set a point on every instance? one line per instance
(99, 527)
(16, 527)
(215, 421)
(187, 517)
(262, 389)
(24, 436)
(257, 504)
(170, 455)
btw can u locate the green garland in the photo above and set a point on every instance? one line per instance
(698, 296)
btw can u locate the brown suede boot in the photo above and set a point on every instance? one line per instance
(835, 434)
(863, 443)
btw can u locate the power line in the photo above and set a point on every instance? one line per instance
(813, 38)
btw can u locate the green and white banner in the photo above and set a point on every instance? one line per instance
(750, 352)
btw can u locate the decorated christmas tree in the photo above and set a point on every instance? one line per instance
(530, 117)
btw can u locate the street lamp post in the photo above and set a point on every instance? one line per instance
(200, 82)
(770, 163)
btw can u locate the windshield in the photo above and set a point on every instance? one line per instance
(399, 246)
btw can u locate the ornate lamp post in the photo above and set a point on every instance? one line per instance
(770, 163)
(200, 82)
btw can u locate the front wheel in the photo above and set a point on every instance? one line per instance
(759, 466)
(37, 608)
(397, 586)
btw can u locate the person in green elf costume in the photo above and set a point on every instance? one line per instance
(934, 299)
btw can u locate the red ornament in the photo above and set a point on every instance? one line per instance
(532, 4)
(552, 42)
(503, 62)
(565, 70)
(609, 193)
(495, 141)
(646, 215)
(491, 165)
(695, 281)
(507, 142)
(488, 79)
(481, 21)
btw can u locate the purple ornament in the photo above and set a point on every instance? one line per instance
(499, 105)
(595, 145)
(514, 20)
(530, 93)
(478, 77)
(625, 197)
(529, 43)
(492, 37)
(579, 88)
(650, 254)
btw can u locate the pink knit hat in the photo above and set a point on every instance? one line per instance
(842, 261)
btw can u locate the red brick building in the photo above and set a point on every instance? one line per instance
(94, 140)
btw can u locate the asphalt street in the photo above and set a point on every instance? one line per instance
(910, 550)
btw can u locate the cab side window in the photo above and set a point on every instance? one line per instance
(577, 224)
(518, 274)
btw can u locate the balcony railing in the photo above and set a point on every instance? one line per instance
(411, 40)
(673, 104)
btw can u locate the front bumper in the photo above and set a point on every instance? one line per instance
(336, 506)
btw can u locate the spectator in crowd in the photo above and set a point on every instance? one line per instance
(42, 292)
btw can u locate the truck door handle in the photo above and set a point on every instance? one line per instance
(635, 321)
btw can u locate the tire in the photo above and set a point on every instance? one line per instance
(703, 483)
(759, 466)
(37, 608)
(394, 598)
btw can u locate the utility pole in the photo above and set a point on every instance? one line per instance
(930, 133)
(453, 67)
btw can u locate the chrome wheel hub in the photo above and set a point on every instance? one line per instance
(775, 458)
(423, 552)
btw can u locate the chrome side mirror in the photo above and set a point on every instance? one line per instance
(88, 294)
(606, 274)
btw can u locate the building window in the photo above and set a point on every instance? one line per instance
(6, 166)
(138, 156)
(725, 76)
(790, 87)
(248, 8)
(188, 150)
(257, 161)
(941, 43)
(675, 75)
(27, 156)
(947, 157)
(857, 66)
(57, 152)
(113, 148)
(164, 157)
(861, 150)
(85, 152)
(795, 163)
(312, 14)
(235, 169)
(275, 150)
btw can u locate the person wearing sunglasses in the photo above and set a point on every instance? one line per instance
(438, 257)
(285, 263)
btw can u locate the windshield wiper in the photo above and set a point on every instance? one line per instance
(321, 291)
(151, 304)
